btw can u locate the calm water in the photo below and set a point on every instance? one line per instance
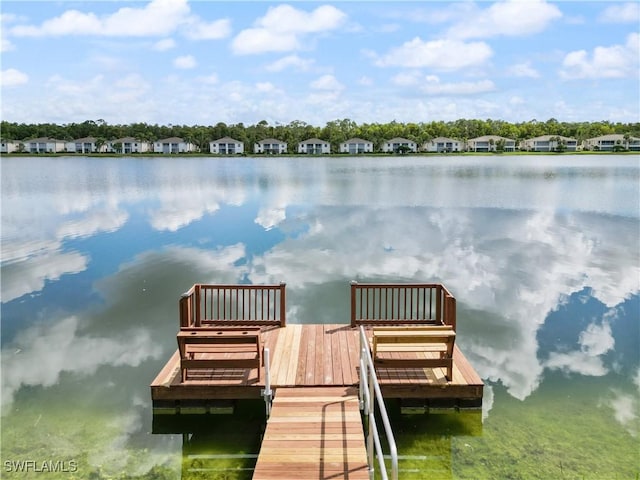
(542, 253)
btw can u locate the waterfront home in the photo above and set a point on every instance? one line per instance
(442, 145)
(314, 146)
(270, 145)
(549, 143)
(44, 145)
(491, 143)
(86, 145)
(226, 146)
(398, 144)
(356, 145)
(10, 146)
(173, 145)
(608, 143)
(128, 145)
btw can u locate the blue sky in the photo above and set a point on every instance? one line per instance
(203, 62)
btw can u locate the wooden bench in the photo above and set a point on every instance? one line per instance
(410, 347)
(219, 347)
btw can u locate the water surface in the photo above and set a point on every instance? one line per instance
(541, 252)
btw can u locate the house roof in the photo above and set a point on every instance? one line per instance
(611, 136)
(85, 140)
(170, 140)
(43, 140)
(226, 140)
(442, 139)
(271, 140)
(399, 139)
(125, 140)
(357, 140)
(313, 140)
(490, 137)
(546, 138)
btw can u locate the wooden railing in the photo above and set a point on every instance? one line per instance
(205, 305)
(402, 303)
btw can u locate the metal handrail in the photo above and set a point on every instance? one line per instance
(266, 393)
(370, 390)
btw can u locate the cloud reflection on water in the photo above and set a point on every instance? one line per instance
(511, 242)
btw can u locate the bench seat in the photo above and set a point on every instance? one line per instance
(414, 347)
(211, 347)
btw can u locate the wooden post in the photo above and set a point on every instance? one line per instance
(283, 304)
(354, 285)
(185, 319)
(439, 317)
(197, 305)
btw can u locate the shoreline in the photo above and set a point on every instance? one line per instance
(303, 155)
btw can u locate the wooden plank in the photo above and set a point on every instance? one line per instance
(318, 377)
(313, 433)
(294, 355)
(327, 366)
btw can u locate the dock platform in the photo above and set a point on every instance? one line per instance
(313, 356)
(314, 433)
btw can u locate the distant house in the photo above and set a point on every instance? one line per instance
(356, 145)
(85, 145)
(128, 145)
(173, 145)
(10, 146)
(270, 145)
(314, 146)
(44, 145)
(397, 144)
(490, 143)
(608, 143)
(226, 146)
(442, 145)
(549, 143)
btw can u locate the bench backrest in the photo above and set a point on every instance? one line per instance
(402, 303)
(241, 305)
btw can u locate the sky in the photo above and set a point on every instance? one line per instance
(201, 62)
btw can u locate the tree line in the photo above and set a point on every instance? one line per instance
(335, 131)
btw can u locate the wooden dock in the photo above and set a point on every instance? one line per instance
(313, 356)
(313, 432)
(315, 427)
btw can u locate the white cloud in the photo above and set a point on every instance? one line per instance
(156, 18)
(577, 362)
(508, 18)
(40, 354)
(436, 54)
(327, 82)
(164, 44)
(185, 62)
(211, 79)
(12, 77)
(290, 61)
(596, 339)
(617, 61)
(523, 70)
(198, 30)
(433, 86)
(621, 13)
(282, 28)
(365, 81)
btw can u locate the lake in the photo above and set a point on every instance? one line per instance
(541, 252)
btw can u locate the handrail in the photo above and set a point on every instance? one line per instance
(370, 390)
(205, 305)
(401, 303)
(267, 393)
